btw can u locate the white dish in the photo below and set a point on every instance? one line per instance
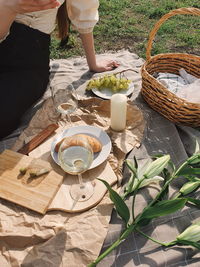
(106, 93)
(89, 130)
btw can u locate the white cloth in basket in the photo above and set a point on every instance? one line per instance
(185, 85)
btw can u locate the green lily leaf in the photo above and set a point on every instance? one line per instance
(188, 171)
(132, 165)
(164, 193)
(128, 188)
(135, 161)
(144, 222)
(157, 166)
(194, 201)
(192, 178)
(120, 205)
(163, 208)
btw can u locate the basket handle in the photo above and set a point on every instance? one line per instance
(183, 11)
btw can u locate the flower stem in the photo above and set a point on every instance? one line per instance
(123, 236)
(156, 241)
(134, 196)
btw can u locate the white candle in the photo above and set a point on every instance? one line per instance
(118, 111)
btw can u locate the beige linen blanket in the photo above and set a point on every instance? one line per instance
(59, 238)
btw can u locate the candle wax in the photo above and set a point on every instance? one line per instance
(118, 112)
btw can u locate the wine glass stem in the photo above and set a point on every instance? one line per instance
(80, 180)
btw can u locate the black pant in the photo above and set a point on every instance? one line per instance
(24, 73)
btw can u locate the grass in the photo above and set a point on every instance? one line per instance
(126, 25)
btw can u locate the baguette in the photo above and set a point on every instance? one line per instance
(94, 143)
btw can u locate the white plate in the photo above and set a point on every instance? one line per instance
(96, 132)
(106, 93)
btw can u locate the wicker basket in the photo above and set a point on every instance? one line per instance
(157, 95)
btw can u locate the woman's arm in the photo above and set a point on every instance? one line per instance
(10, 8)
(84, 16)
(88, 45)
(7, 17)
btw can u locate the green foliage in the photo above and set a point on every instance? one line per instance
(194, 201)
(142, 177)
(126, 25)
(161, 165)
(120, 205)
(163, 208)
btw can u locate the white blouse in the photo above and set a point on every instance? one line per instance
(83, 15)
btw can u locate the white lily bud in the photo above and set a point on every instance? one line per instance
(189, 187)
(192, 233)
(146, 182)
(155, 179)
(157, 166)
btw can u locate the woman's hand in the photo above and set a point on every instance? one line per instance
(94, 65)
(25, 6)
(105, 65)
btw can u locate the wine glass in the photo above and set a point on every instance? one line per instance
(75, 156)
(64, 99)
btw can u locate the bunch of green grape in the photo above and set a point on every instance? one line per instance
(111, 82)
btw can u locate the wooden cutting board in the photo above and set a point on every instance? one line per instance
(33, 193)
(63, 200)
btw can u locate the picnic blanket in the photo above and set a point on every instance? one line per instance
(161, 136)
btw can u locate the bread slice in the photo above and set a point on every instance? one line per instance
(94, 142)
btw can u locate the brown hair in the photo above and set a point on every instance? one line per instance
(63, 23)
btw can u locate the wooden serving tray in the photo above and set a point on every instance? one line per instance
(63, 200)
(33, 193)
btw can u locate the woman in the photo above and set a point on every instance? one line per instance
(25, 28)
